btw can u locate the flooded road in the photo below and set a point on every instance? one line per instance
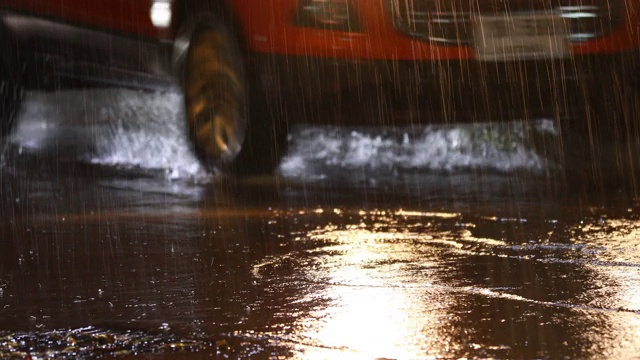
(402, 243)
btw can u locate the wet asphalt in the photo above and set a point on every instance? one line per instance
(354, 249)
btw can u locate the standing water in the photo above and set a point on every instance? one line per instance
(396, 243)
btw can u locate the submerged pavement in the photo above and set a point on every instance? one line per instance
(365, 251)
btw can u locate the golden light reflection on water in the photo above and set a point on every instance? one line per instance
(382, 286)
(618, 251)
(617, 277)
(442, 215)
(376, 307)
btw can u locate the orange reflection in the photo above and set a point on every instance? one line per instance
(616, 244)
(380, 303)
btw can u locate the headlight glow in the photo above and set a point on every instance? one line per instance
(161, 13)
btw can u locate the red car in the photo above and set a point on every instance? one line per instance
(249, 68)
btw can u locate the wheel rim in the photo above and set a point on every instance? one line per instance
(215, 96)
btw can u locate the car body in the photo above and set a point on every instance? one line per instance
(496, 59)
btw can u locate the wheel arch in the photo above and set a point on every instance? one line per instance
(192, 15)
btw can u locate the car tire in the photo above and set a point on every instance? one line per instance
(11, 91)
(228, 121)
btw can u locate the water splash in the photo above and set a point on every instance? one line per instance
(145, 130)
(500, 147)
(115, 127)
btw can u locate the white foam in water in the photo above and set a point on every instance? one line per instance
(500, 147)
(127, 128)
(124, 128)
